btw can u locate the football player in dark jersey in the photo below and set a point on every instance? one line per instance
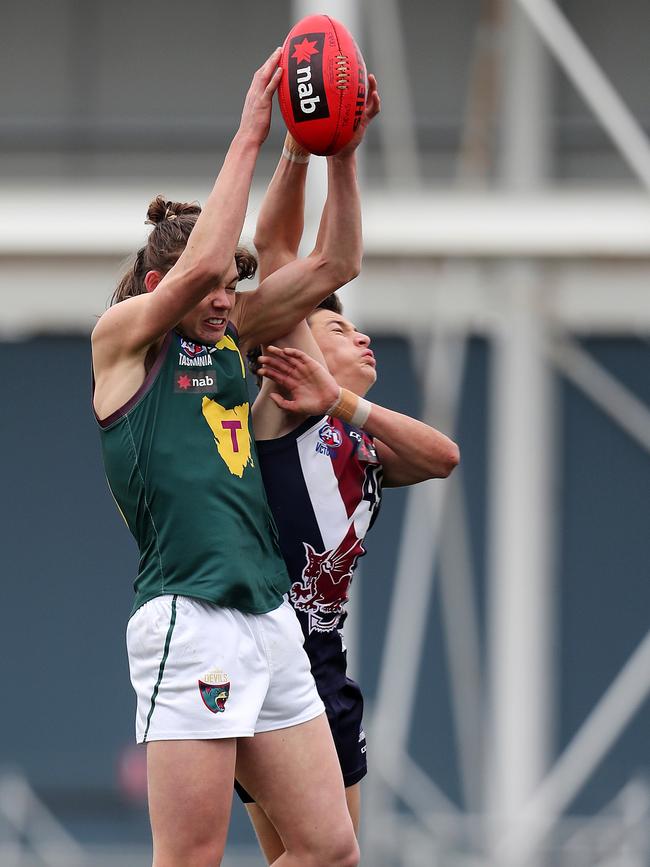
(325, 452)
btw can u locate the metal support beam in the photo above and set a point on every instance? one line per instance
(599, 93)
(397, 126)
(520, 593)
(598, 733)
(548, 224)
(605, 390)
(520, 458)
(411, 598)
(462, 641)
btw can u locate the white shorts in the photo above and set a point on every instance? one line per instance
(200, 671)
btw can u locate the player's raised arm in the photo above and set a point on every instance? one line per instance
(409, 450)
(207, 259)
(281, 219)
(291, 293)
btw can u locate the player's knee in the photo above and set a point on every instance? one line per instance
(351, 857)
(205, 854)
(337, 849)
(194, 859)
(342, 851)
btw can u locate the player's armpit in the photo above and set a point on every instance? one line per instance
(286, 297)
(269, 420)
(302, 338)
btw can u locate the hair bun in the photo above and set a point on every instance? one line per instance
(162, 209)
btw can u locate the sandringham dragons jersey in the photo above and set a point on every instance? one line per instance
(323, 481)
(183, 470)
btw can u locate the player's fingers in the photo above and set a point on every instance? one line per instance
(286, 380)
(282, 356)
(272, 377)
(271, 371)
(296, 355)
(280, 401)
(267, 69)
(373, 101)
(276, 362)
(272, 352)
(274, 83)
(266, 369)
(265, 74)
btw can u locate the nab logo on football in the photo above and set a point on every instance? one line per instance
(308, 97)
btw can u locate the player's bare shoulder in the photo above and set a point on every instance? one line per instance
(117, 333)
(118, 357)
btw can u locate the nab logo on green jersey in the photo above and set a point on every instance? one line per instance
(195, 381)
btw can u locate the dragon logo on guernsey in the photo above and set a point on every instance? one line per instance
(323, 589)
(231, 436)
(215, 689)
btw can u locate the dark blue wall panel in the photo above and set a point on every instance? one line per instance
(67, 565)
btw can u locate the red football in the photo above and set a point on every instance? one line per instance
(323, 89)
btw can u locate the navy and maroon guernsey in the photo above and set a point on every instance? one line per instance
(323, 483)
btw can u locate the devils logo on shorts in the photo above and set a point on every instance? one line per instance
(215, 690)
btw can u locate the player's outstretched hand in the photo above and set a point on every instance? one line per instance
(256, 114)
(372, 109)
(310, 387)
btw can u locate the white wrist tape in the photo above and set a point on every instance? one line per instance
(294, 157)
(351, 408)
(361, 413)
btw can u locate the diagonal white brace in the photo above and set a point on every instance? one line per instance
(597, 90)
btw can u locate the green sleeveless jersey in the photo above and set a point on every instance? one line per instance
(182, 466)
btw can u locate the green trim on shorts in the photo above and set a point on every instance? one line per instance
(161, 670)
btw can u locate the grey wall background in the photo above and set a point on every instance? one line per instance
(133, 89)
(68, 563)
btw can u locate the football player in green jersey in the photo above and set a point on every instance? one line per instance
(215, 653)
